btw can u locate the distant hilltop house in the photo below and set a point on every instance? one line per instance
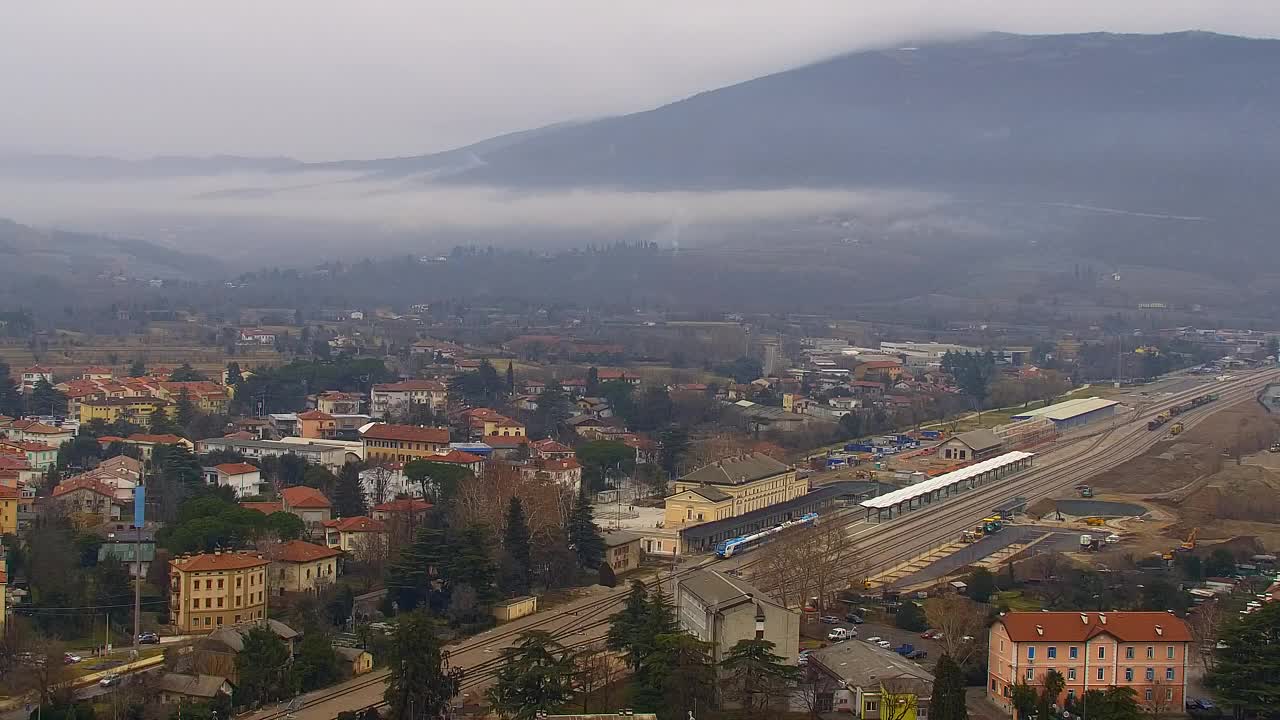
(257, 337)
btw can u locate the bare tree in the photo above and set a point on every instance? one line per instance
(900, 697)
(957, 618)
(816, 690)
(1203, 622)
(379, 480)
(594, 668)
(1161, 702)
(1046, 565)
(815, 561)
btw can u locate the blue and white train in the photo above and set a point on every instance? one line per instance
(732, 546)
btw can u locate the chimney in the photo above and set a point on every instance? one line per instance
(760, 618)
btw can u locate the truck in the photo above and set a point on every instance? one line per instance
(859, 447)
(931, 434)
(1089, 543)
(839, 635)
(1158, 421)
(1085, 491)
(905, 649)
(1175, 429)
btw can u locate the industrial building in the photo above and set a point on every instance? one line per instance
(722, 610)
(1073, 413)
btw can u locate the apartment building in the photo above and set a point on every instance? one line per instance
(1146, 651)
(402, 443)
(398, 398)
(210, 590)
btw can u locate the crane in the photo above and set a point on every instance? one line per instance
(1190, 543)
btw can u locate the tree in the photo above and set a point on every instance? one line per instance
(584, 536)
(263, 668)
(956, 618)
(602, 458)
(1115, 703)
(511, 378)
(234, 376)
(46, 399)
(594, 670)
(137, 368)
(1161, 703)
(678, 676)
(909, 617)
(1054, 682)
(1247, 663)
(186, 373)
(316, 665)
(626, 627)
(552, 411)
(420, 683)
(439, 481)
(608, 577)
(516, 550)
(755, 677)
(1024, 699)
(593, 381)
(1221, 563)
(982, 584)
(470, 564)
(675, 443)
(10, 397)
(186, 410)
(899, 697)
(1204, 622)
(348, 493)
(536, 676)
(948, 691)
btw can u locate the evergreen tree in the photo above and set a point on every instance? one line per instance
(675, 443)
(626, 627)
(410, 576)
(470, 563)
(186, 410)
(608, 577)
(348, 493)
(316, 665)
(910, 617)
(186, 373)
(263, 667)
(584, 536)
(756, 677)
(593, 381)
(536, 677)
(418, 685)
(948, 691)
(10, 397)
(511, 378)
(137, 368)
(553, 410)
(517, 550)
(677, 677)
(661, 617)
(46, 399)
(234, 376)
(1246, 675)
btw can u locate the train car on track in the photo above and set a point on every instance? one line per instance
(732, 546)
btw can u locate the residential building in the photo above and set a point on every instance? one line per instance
(300, 566)
(616, 375)
(245, 479)
(857, 677)
(308, 503)
(566, 473)
(731, 487)
(136, 410)
(622, 551)
(550, 450)
(147, 443)
(402, 443)
(38, 455)
(485, 422)
(88, 495)
(404, 508)
(1149, 652)
(971, 446)
(10, 499)
(397, 399)
(354, 661)
(256, 337)
(339, 403)
(207, 396)
(211, 590)
(721, 609)
(215, 653)
(879, 370)
(317, 425)
(38, 432)
(330, 455)
(353, 533)
(33, 375)
(474, 463)
(506, 447)
(179, 688)
(128, 546)
(97, 373)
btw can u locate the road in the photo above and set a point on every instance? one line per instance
(887, 543)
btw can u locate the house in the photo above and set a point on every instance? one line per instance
(245, 479)
(135, 549)
(353, 533)
(215, 653)
(401, 508)
(97, 373)
(339, 403)
(506, 447)
(613, 375)
(10, 499)
(178, 688)
(250, 336)
(730, 487)
(595, 407)
(646, 449)
(857, 678)
(622, 551)
(484, 422)
(397, 399)
(207, 396)
(550, 450)
(565, 473)
(879, 370)
(354, 661)
(971, 446)
(210, 590)
(137, 410)
(721, 609)
(309, 504)
(147, 443)
(317, 425)
(474, 463)
(300, 566)
(331, 455)
(38, 432)
(38, 455)
(32, 377)
(402, 443)
(266, 508)
(1150, 652)
(88, 495)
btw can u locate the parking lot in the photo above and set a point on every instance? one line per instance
(895, 636)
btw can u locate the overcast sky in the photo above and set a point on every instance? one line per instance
(329, 79)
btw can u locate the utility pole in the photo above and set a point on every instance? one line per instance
(139, 520)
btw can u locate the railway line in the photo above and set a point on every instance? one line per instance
(892, 541)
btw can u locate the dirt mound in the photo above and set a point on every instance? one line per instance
(1238, 492)
(1243, 428)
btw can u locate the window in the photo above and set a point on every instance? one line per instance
(1151, 674)
(1168, 673)
(219, 620)
(1071, 695)
(1148, 695)
(1168, 652)
(208, 602)
(1128, 653)
(219, 602)
(1151, 652)
(1002, 646)
(1074, 652)
(237, 619)
(239, 600)
(239, 581)
(1168, 693)
(872, 706)
(1128, 674)
(195, 603)
(1102, 652)
(993, 684)
(1071, 673)
(208, 621)
(219, 583)
(1031, 653)
(208, 584)
(1101, 673)
(1031, 673)
(1053, 653)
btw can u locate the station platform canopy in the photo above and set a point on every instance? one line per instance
(932, 485)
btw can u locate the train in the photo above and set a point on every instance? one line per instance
(1179, 408)
(732, 546)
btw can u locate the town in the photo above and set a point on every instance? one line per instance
(783, 523)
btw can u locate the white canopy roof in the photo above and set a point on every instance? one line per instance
(924, 488)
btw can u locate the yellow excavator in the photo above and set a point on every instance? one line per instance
(1190, 543)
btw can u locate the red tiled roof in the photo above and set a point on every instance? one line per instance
(218, 561)
(559, 465)
(1081, 626)
(108, 439)
(314, 415)
(408, 385)
(10, 493)
(14, 462)
(409, 433)
(38, 369)
(611, 374)
(266, 508)
(236, 468)
(403, 505)
(240, 435)
(300, 551)
(359, 523)
(166, 439)
(83, 483)
(549, 446)
(29, 446)
(304, 498)
(455, 457)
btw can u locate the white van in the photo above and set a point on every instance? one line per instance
(839, 635)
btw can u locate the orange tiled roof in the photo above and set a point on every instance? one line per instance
(266, 508)
(83, 483)
(314, 415)
(359, 523)
(300, 551)
(1081, 626)
(166, 439)
(403, 505)
(409, 385)
(236, 468)
(29, 446)
(217, 561)
(408, 433)
(9, 493)
(303, 498)
(456, 457)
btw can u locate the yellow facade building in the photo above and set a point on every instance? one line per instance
(10, 497)
(215, 589)
(402, 443)
(732, 487)
(134, 409)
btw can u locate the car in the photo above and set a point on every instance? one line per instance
(148, 638)
(829, 619)
(109, 680)
(918, 655)
(854, 618)
(885, 644)
(70, 658)
(873, 639)
(927, 635)
(840, 635)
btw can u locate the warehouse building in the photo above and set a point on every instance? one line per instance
(1073, 413)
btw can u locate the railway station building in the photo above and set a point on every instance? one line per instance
(1073, 413)
(886, 507)
(731, 487)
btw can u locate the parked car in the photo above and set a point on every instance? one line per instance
(927, 634)
(1200, 704)
(918, 655)
(109, 680)
(839, 635)
(885, 644)
(829, 619)
(148, 638)
(873, 639)
(70, 658)
(854, 618)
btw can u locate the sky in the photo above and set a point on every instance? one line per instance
(323, 79)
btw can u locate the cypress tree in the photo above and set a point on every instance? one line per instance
(584, 537)
(948, 691)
